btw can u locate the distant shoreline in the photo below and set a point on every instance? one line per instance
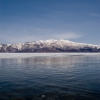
(49, 52)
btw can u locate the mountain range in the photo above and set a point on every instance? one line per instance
(49, 46)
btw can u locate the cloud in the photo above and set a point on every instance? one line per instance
(28, 34)
(33, 37)
(67, 35)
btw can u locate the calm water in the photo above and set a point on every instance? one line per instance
(56, 76)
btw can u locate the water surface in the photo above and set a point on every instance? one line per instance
(50, 76)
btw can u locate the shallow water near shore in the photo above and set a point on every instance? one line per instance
(50, 76)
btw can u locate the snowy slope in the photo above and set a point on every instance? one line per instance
(49, 46)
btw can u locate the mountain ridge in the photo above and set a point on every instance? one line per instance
(49, 46)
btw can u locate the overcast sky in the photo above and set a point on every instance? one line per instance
(30, 20)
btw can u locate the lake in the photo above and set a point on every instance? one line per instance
(49, 76)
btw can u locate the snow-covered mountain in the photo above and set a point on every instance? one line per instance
(50, 46)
